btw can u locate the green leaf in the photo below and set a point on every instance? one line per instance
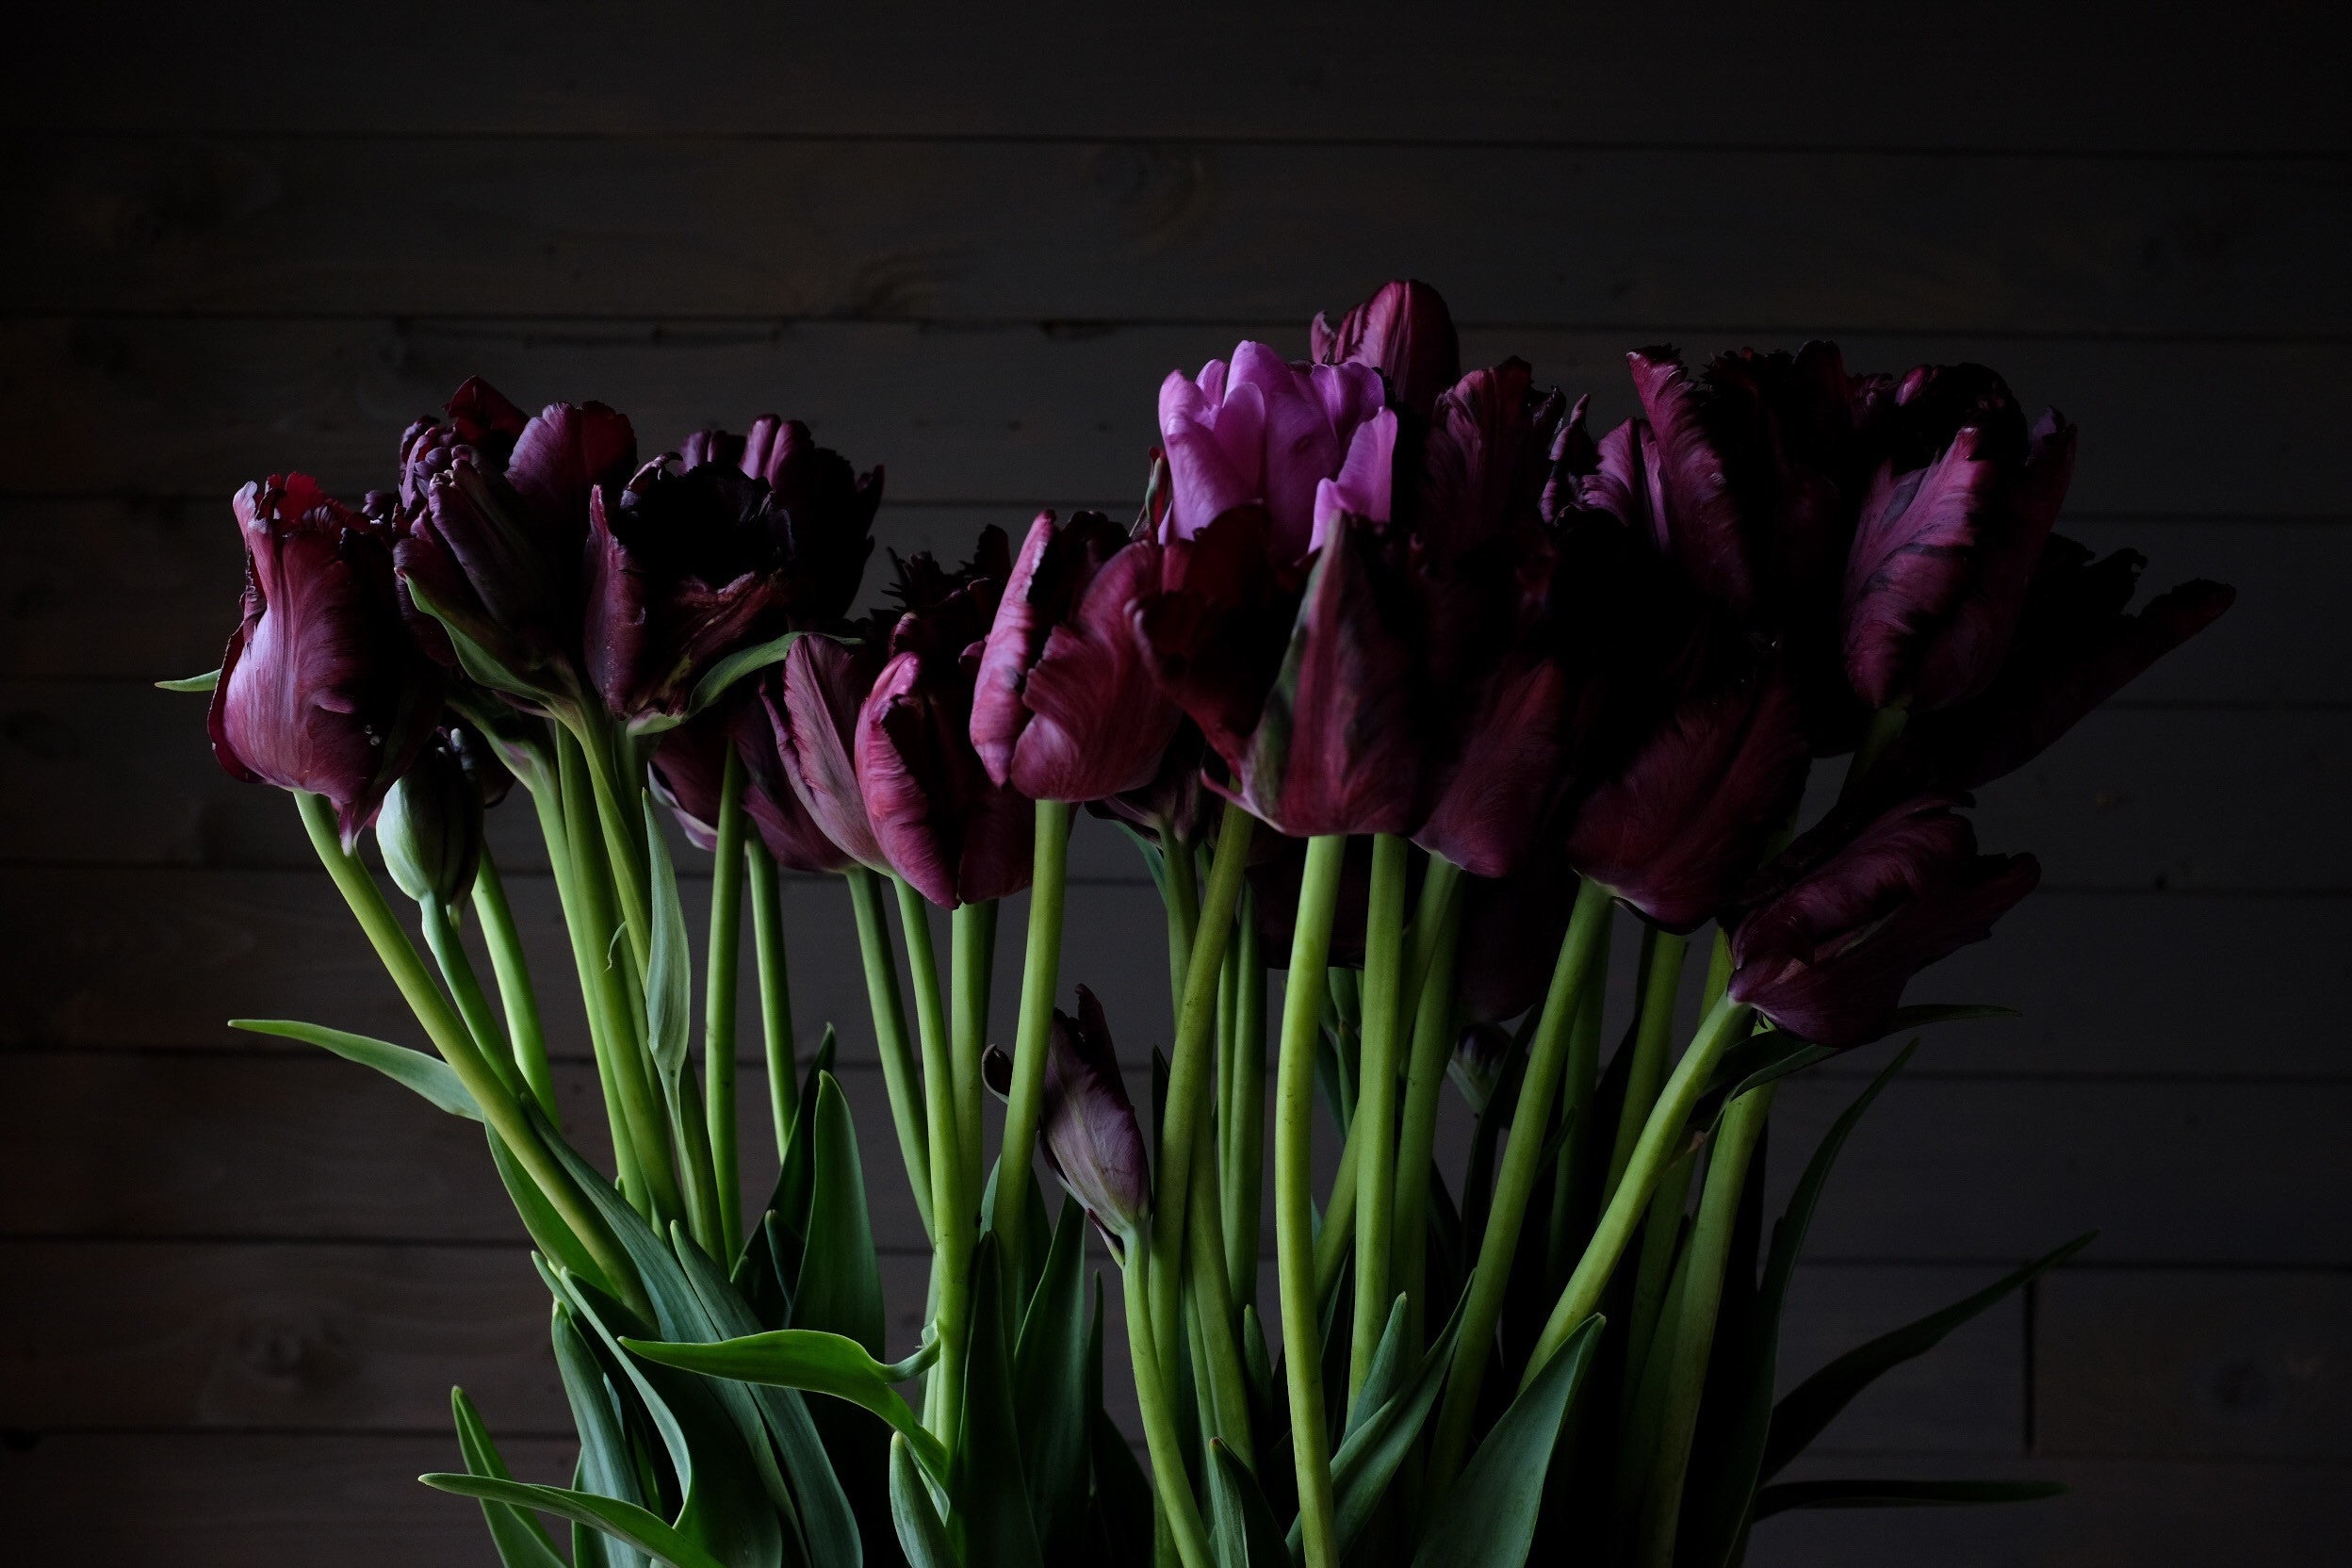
(1245, 1534)
(1897, 1493)
(204, 682)
(472, 657)
(521, 1540)
(727, 671)
(1049, 1382)
(1920, 1015)
(920, 1535)
(988, 1489)
(669, 960)
(1122, 1495)
(418, 1070)
(606, 1465)
(815, 1360)
(1487, 1520)
(549, 1232)
(622, 1521)
(840, 1283)
(1376, 1446)
(1809, 1407)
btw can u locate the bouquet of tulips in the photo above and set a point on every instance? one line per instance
(1405, 684)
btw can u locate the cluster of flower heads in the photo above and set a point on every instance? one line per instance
(1366, 594)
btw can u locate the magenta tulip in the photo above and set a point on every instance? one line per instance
(813, 701)
(1064, 707)
(1839, 925)
(1087, 1123)
(690, 773)
(1403, 331)
(322, 688)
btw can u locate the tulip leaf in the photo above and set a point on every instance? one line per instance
(521, 1540)
(1920, 1015)
(669, 960)
(606, 1465)
(549, 1232)
(840, 1285)
(1899, 1494)
(920, 1535)
(1808, 1408)
(1763, 1058)
(1050, 1370)
(1122, 1495)
(1487, 1519)
(816, 1361)
(988, 1489)
(421, 1072)
(724, 673)
(1377, 1443)
(1246, 1535)
(204, 682)
(626, 1522)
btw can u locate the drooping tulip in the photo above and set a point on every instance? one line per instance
(429, 828)
(1403, 331)
(690, 774)
(1839, 925)
(491, 532)
(699, 556)
(1065, 708)
(940, 821)
(1088, 1124)
(322, 688)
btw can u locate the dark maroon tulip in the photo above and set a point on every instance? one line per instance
(322, 688)
(1403, 331)
(1174, 799)
(2076, 645)
(1842, 923)
(1304, 443)
(1512, 930)
(1484, 462)
(1088, 1124)
(1686, 819)
(1065, 708)
(690, 775)
(813, 700)
(698, 559)
(941, 823)
(429, 828)
(492, 533)
(1480, 1055)
(1948, 536)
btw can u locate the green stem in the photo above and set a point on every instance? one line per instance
(718, 1003)
(1033, 1034)
(1718, 972)
(901, 1077)
(1530, 1128)
(972, 938)
(623, 851)
(1242, 1183)
(1294, 1195)
(699, 1175)
(1183, 913)
(1376, 1101)
(1192, 1068)
(1337, 1239)
(587, 962)
(776, 990)
(1578, 1082)
(457, 969)
(951, 1216)
(516, 996)
(449, 1034)
(1416, 1143)
(1161, 1434)
(1661, 969)
(1725, 1025)
(1694, 1333)
(1886, 729)
(1654, 1270)
(1216, 1325)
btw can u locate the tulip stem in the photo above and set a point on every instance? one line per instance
(516, 995)
(1192, 1068)
(1523, 1154)
(1425, 1077)
(972, 935)
(951, 1213)
(1727, 1023)
(1662, 954)
(1040, 983)
(1886, 729)
(718, 1006)
(1217, 1346)
(1375, 1121)
(1294, 1194)
(1179, 1510)
(624, 850)
(449, 1034)
(1690, 1338)
(1183, 891)
(473, 1007)
(776, 989)
(1578, 1082)
(901, 1077)
(1242, 1124)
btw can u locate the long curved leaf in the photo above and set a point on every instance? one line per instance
(1899, 1494)
(521, 1540)
(920, 1535)
(606, 1465)
(416, 1070)
(1245, 1535)
(988, 1489)
(669, 959)
(840, 1285)
(1487, 1520)
(1050, 1381)
(622, 1521)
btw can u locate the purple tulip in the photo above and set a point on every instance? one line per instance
(1305, 442)
(1088, 1124)
(1675, 833)
(1943, 549)
(1839, 925)
(940, 821)
(492, 531)
(813, 701)
(1173, 799)
(1065, 708)
(699, 556)
(1403, 331)
(1483, 463)
(1510, 934)
(690, 774)
(322, 688)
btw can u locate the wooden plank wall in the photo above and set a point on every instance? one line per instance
(240, 1278)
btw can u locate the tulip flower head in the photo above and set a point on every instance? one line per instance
(1403, 331)
(322, 688)
(1840, 923)
(813, 701)
(689, 772)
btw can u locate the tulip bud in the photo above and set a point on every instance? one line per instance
(1088, 1125)
(429, 828)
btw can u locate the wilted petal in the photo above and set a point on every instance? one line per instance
(1088, 1124)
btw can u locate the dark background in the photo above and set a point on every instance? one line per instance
(235, 1281)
